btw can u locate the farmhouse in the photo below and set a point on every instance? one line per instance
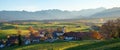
(77, 35)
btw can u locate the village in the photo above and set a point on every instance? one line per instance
(47, 35)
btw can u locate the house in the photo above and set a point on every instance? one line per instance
(59, 33)
(34, 37)
(2, 44)
(77, 35)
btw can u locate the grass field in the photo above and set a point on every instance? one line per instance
(101, 45)
(58, 45)
(4, 33)
(72, 45)
(7, 28)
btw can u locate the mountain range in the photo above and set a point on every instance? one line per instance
(54, 14)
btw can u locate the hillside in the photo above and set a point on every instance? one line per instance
(101, 45)
(72, 45)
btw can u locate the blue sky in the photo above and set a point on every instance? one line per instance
(36, 5)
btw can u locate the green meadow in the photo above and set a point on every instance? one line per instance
(8, 28)
(71, 45)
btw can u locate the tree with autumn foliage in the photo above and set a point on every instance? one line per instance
(111, 29)
(31, 34)
(31, 29)
(19, 38)
(96, 35)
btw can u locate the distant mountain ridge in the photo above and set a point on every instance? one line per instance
(114, 12)
(55, 14)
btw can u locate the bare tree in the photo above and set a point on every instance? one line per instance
(111, 29)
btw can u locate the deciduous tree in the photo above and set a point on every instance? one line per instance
(111, 29)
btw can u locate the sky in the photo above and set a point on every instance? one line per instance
(71, 5)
